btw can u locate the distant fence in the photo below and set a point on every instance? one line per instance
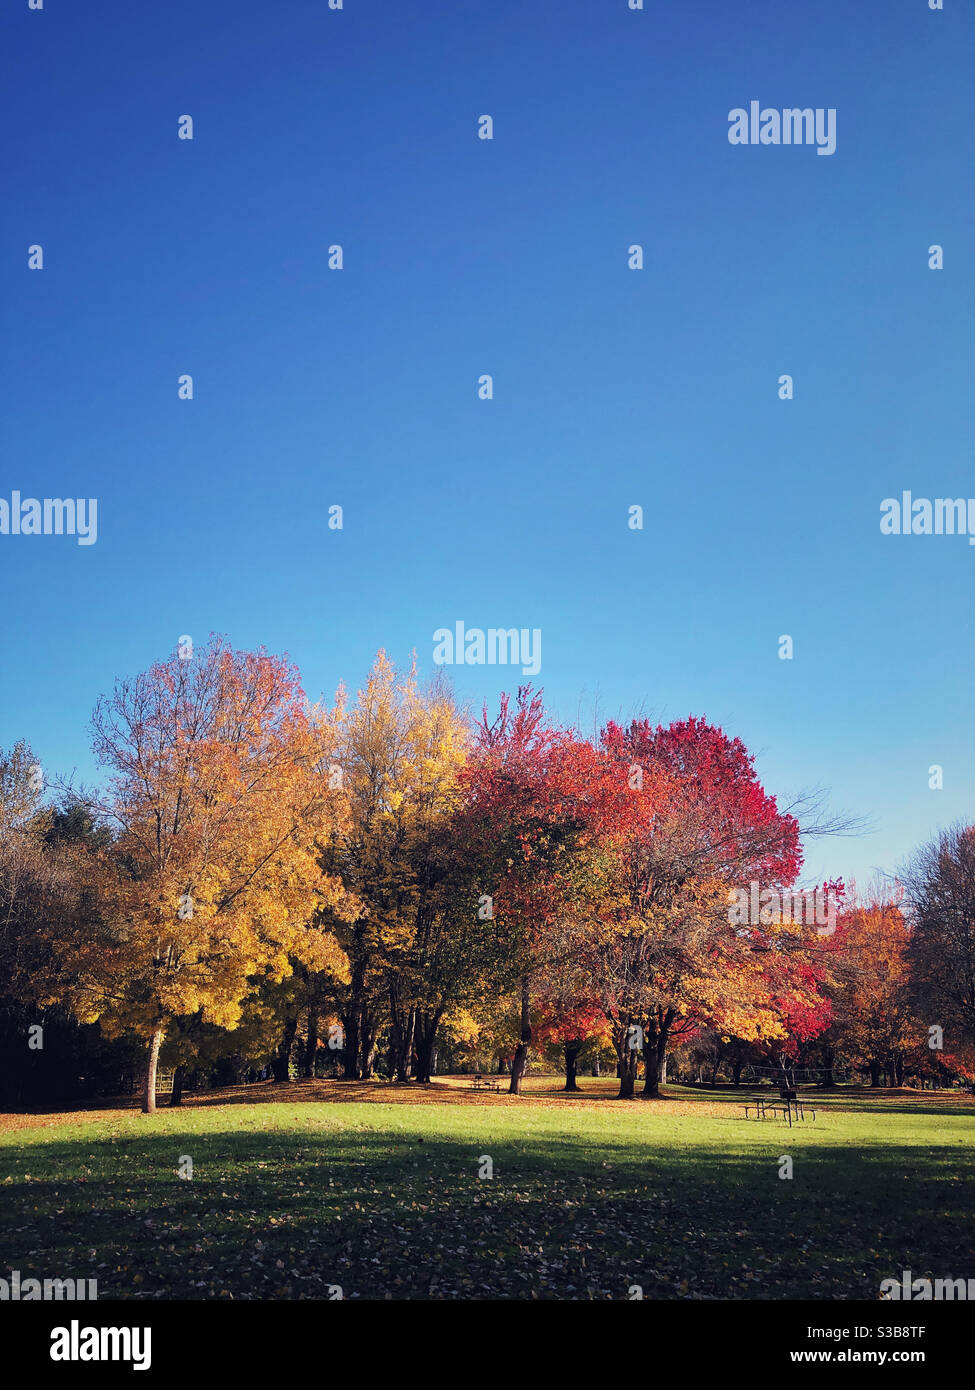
(802, 1076)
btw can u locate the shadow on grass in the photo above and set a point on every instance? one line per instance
(401, 1213)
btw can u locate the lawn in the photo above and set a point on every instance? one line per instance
(375, 1189)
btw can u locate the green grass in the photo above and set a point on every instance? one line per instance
(383, 1199)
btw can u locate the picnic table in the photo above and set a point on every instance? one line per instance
(483, 1083)
(789, 1105)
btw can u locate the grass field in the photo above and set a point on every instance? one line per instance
(375, 1189)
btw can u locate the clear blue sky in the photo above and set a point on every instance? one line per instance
(612, 387)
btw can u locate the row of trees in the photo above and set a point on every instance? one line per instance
(888, 972)
(391, 872)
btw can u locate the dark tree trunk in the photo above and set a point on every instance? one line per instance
(399, 1063)
(355, 1007)
(368, 1033)
(571, 1050)
(282, 1062)
(311, 1044)
(521, 1051)
(656, 1054)
(402, 1033)
(411, 1027)
(424, 1060)
(350, 1052)
(425, 1028)
(629, 1060)
(152, 1067)
(736, 1073)
(716, 1063)
(875, 1076)
(179, 1080)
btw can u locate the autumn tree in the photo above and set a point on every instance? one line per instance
(572, 1027)
(218, 802)
(940, 886)
(39, 886)
(673, 960)
(876, 1020)
(542, 806)
(25, 885)
(400, 751)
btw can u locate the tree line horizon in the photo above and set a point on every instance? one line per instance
(256, 868)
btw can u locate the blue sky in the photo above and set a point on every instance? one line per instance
(612, 387)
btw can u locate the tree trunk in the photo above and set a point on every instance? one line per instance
(424, 1060)
(282, 1062)
(355, 1005)
(736, 1073)
(716, 1062)
(402, 1033)
(571, 1050)
(595, 1068)
(350, 1053)
(368, 1033)
(629, 1060)
(656, 1054)
(411, 1028)
(179, 1080)
(425, 1030)
(311, 1045)
(875, 1076)
(152, 1066)
(399, 1064)
(521, 1051)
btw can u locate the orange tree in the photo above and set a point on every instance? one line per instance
(876, 1020)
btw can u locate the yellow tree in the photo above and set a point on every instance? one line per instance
(219, 801)
(401, 748)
